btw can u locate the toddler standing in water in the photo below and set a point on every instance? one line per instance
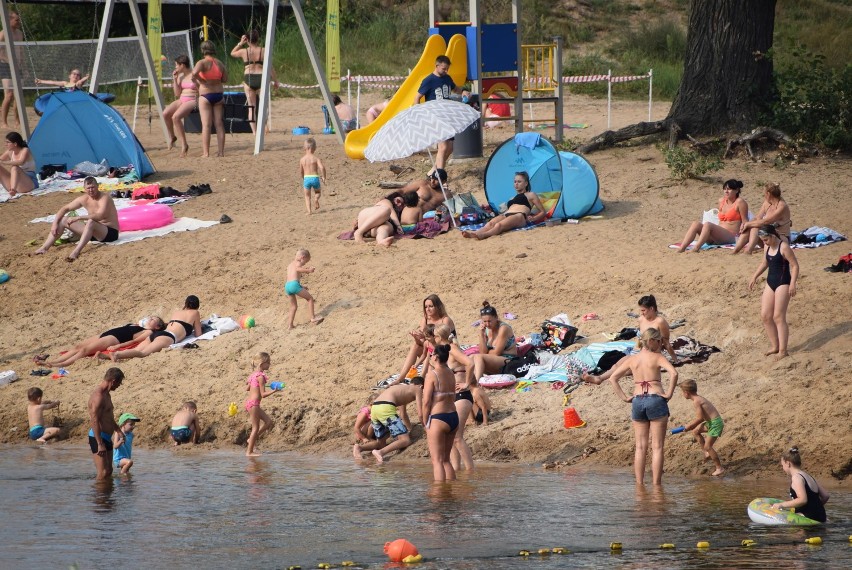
(312, 172)
(294, 288)
(35, 414)
(121, 453)
(257, 392)
(708, 420)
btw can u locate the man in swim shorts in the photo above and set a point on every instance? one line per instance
(389, 418)
(100, 222)
(104, 431)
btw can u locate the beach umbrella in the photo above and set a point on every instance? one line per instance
(418, 128)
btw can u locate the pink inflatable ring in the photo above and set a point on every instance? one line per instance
(147, 217)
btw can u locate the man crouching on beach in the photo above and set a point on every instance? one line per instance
(385, 417)
(103, 425)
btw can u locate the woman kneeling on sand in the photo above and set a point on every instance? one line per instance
(183, 323)
(518, 213)
(650, 412)
(733, 211)
(773, 211)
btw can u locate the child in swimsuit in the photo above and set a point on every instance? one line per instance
(256, 387)
(185, 427)
(294, 288)
(35, 414)
(121, 453)
(707, 420)
(312, 172)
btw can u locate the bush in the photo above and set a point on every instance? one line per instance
(812, 101)
(684, 163)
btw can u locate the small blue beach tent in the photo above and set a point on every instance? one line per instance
(566, 182)
(77, 126)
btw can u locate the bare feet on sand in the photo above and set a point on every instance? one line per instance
(253, 454)
(782, 355)
(172, 143)
(356, 451)
(468, 234)
(184, 151)
(378, 456)
(718, 472)
(317, 320)
(771, 352)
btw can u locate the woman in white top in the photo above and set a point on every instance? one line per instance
(17, 168)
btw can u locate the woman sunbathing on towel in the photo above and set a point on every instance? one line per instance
(434, 313)
(116, 338)
(381, 221)
(773, 211)
(733, 210)
(496, 345)
(518, 214)
(185, 322)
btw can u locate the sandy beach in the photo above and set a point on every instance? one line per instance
(371, 297)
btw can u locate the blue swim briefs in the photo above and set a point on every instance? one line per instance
(181, 434)
(311, 182)
(36, 432)
(292, 287)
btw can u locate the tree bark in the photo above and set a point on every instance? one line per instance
(727, 77)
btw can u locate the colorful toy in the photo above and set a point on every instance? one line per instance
(232, 409)
(761, 511)
(145, 217)
(680, 429)
(276, 386)
(246, 322)
(328, 130)
(400, 549)
(4, 276)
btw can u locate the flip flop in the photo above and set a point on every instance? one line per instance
(40, 372)
(509, 316)
(190, 345)
(39, 358)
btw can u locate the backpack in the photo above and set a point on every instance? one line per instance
(556, 336)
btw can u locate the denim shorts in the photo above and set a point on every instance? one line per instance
(647, 407)
(393, 426)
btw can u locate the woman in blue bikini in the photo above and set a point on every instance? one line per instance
(439, 396)
(518, 211)
(211, 75)
(185, 322)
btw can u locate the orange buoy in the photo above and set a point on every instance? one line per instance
(572, 419)
(399, 549)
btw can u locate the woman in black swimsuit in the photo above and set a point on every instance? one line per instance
(780, 288)
(806, 495)
(252, 54)
(518, 212)
(116, 338)
(185, 322)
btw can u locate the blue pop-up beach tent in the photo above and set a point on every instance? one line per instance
(566, 182)
(77, 127)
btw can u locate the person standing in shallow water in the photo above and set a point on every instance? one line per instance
(104, 431)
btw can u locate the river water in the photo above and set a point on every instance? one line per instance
(222, 510)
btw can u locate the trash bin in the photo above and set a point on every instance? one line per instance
(468, 143)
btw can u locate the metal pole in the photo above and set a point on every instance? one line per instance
(106, 21)
(608, 99)
(146, 56)
(557, 76)
(650, 91)
(261, 114)
(519, 96)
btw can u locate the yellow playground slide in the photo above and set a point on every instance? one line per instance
(356, 141)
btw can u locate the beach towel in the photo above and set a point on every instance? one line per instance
(474, 227)
(425, 229)
(814, 236)
(527, 140)
(690, 351)
(210, 329)
(62, 182)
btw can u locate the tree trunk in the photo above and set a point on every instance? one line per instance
(727, 77)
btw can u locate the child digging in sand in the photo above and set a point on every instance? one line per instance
(385, 417)
(312, 172)
(35, 414)
(294, 288)
(257, 391)
(708, 420)
(185, 424)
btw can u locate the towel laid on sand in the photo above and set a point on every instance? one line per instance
(58, 183)
(474, 227)
(425, 229)
(814, 236)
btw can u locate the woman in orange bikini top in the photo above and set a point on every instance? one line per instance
(733, 210)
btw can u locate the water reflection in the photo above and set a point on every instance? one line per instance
(102, 500)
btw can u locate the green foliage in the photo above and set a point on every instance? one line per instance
(684, 163)
(813, 101)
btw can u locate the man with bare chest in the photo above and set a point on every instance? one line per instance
(104, 432)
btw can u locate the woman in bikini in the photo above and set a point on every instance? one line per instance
(115, 339)
(650, 412)
(458, 362)
(183, 323)
(518, 213)
(17, 171)
(439, 406)
(380, 221)
(733, 210)
(807, 497)
(186, 99)
(434, 313)
(211, 75)
(780, 288)
(75, 81)
(774, 211)
(496, 345)
(252, 54)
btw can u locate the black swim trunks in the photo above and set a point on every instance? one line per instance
(5, 70)
(112, 235)
(93, 444)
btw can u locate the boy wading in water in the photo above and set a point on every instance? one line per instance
(707, 420)
(312, 172)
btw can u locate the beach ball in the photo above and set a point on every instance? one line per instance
(4, 276)
(400, 549)
(246, 322)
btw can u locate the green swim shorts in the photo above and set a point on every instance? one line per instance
(715, 426)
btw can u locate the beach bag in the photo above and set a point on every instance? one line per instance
(224, 324)
(556, 336)
(711, 216)
(92, 169)
(459, 202)
(519, 365)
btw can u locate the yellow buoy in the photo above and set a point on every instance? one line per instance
(324, 565)
(524, 553)
(703, 544)
(560, 550)
(347, 563)
(814, 540)
(615, 546)
(748, 542)
(667, 545)
(413, 559)
(294, 568)
(544, 551)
